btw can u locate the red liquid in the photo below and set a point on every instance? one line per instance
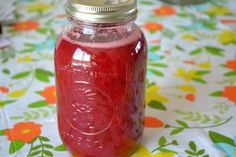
(100, 91)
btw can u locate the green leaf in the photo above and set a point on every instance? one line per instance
(205, 156)
(180, 112)
(205, 119)
(176, 131)
(29, 45)
(202, 72)
(219, 138)
(16, 117)
(168, 33)
(45, 72)
(183, 14)
(60, 147)
(193, 146)
(38, 104)
(182, 123)
(223, 65)
(27, 116)
(35, 153)
(21, 75)
(201, 152)
(167, 126)
(48, 153)
(6, 71)
(28, 50)
(43, 75)
(44, 113)
(2, 132)
(146, 2)
(45, 139)
(197, 117)
(156, 72)
(3, 103)
(160, 65)
(214, 50)
(35, 115)
(217, 119)
(179, 48)
(36, 147)
(155, 48)
(174, 142)
(48, 146)
(167, 150)
(157, 105)
(42, 30)
(209, 24)
(15, 146)
(38, 92)
(162, 141)
(189, 152)
(216, 94)
(196, 51)
(199, 80)
(231, 73)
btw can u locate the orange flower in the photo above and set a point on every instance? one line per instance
(230, 93)
(49, 93)
(23, 131)
(231, 64)
(190, 97)
(4, 90)
(26, 25)
(165, 11)
(152, 122)
(228, 21)
(152, 26)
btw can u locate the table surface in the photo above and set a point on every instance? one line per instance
(191, 80)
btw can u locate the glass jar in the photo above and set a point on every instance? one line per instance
(100, 66)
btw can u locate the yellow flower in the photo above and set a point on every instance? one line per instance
(188, 36)
(187, 75)
(39, 7)
(187, 88)
(143, 152)
(218, 11)
(17, 93)
(227, 37)
(26, 58)
(152, 94)
(205, 65)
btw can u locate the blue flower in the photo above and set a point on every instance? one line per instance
(201, 7)
(153, 57)
(47, 44)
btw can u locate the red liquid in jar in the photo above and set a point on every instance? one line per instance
(100, 92)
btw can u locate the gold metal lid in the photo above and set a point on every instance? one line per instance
(102, 11)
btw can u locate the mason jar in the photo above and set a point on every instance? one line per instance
(100, 65)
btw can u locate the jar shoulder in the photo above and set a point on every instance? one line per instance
(95, 34)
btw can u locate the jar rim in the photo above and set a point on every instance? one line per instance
(103, 12)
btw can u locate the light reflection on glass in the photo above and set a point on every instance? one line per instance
(81, 58)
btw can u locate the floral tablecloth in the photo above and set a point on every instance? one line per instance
(190, 90)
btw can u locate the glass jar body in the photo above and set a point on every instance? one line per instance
(100, 83)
